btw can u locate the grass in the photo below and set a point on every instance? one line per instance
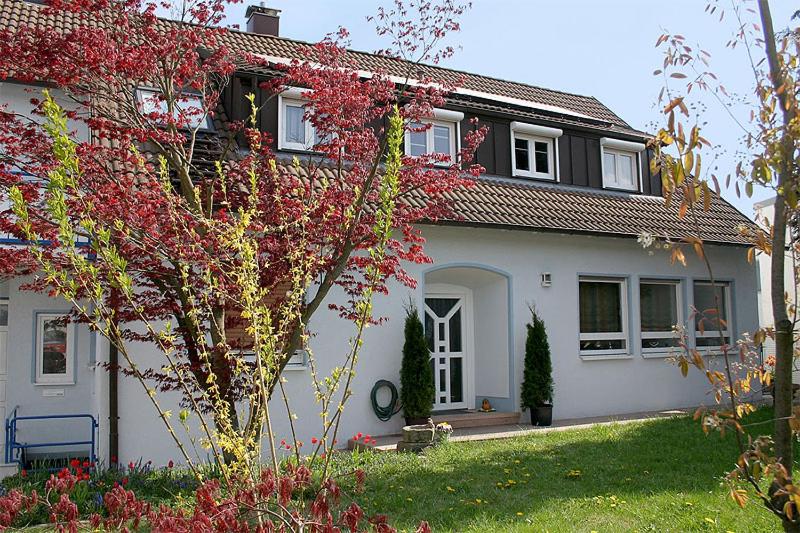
(658, 475)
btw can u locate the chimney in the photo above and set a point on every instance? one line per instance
(263, 20)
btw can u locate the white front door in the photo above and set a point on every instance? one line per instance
(445, 330)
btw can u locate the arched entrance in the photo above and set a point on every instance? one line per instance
(468, 329)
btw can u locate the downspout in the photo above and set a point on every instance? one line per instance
(113, 404)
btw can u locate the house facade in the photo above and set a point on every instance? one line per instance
(765, 214)
(554, 224)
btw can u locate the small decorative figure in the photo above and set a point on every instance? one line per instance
(486, 406)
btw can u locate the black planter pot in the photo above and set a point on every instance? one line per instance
(416, 421)
(542, 415)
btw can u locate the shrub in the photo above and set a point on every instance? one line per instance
(416, 376)
(537, 384)
(217, 507)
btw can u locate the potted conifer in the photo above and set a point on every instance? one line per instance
(416, 376)
(537, 384)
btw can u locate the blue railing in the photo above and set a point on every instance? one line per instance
(15, 450)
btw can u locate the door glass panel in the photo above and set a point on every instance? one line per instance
(441, 306)
(456, 380)
(455, 332)
(442, 380)
(441, 331)
(3, 315)
(429, 331)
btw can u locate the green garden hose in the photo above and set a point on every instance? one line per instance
(385, 412)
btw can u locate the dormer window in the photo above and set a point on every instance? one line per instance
(441, 137)
(621, 165)
(187, 113)
(295, 131)
(534, 150)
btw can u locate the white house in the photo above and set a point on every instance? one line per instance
(553, 223)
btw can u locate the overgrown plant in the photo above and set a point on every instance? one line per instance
(537, 381)
(417, 387)
(771, 138)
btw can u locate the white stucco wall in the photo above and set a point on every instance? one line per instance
(765, 210)
(582, 387)
(32, 399)
(18, 99)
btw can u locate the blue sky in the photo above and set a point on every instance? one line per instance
(599, 48)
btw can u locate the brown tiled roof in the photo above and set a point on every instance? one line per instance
(280, 47)
(511, 204)
(563, 209)
(19, 12)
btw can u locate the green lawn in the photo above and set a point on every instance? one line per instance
(658, 475)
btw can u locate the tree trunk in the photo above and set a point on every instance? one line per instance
(784, 334)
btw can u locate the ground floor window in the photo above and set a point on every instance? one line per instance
(712, 304)
(603, 316)
(54, 357)
(660, 311)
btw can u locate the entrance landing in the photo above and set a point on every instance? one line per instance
(517, 429)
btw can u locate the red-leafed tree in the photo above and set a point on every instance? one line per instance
(180, 228)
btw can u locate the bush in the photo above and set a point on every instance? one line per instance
(292, 499)
(416, 376)
(537, 384)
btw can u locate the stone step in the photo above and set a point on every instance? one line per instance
(458, 419)
(475, 419)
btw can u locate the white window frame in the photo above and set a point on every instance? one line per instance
(623, 335)
(533, 133)
(68, 378)
(293, 97)
(671, 334)
(714, 333)
(144, 97)
(441, 117)
(619, 147)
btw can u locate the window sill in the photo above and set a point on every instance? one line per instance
(605, 357)
(621, 189)
(295, 368)
(542, 177)
(298, 150)
(657, 355)
(53, 383)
